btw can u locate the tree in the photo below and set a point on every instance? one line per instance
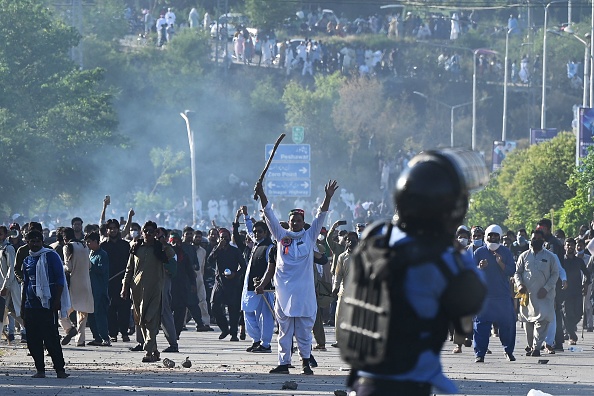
(534, 181)
(579, 209)
(168, 166)
(265, 14)
(487, 206)
(53, 117)
(312, 109)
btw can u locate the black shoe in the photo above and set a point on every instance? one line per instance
(125, 338)
(489, 352)
(204, 328)
(149, 359)
(39, 374)
(535, 353)
(131, 331)
(136, 348)
(280, 369)
(171, 348)
(313, 363)
(262, 349)
(71, 333)
(223, 335)
(479, 359)
(510, 357)
(254, 346)
(335, 345)
(62, 374)
(95, 343)
(306, 370)
(528, 349)
(242, 336)
(234, 338)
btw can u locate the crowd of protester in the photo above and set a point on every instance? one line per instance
(220, 275)
(305, 50)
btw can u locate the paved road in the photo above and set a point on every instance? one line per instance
(224, 368)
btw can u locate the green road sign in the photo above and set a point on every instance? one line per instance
(298, 134)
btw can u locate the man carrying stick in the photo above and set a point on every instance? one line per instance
(295, 307)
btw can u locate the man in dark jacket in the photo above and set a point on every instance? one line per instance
(118, 251)
(228, 262)
(183, 285)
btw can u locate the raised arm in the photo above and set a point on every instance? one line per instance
(330, 188)
(105, 203)
(259, 190)
(131, 214)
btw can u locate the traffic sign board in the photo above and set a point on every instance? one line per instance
(298, 134)
(289, 170)
(289, 152)
(288, 188)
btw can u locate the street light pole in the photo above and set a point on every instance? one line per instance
(474, 101)
(505, 68)
(473, 135)
(592, 57)
(452, 108)
(543, 108)
(186, 116)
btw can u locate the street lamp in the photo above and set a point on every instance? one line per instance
(592, 57)
(186, 116)
(505, 68)
(474, 101)
(543, 109)
(452, 108)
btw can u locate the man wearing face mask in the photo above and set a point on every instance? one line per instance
(118, 252)
(520, 245)
(463, 237)
(553, 245)
(536, 275)
(462, 243)
(478, 234)
(497, 263)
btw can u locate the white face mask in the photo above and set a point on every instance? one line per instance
(463, 241)
(493, 246)
(477, 242)
(135, 234)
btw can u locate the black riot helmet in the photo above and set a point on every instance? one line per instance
(432, 193)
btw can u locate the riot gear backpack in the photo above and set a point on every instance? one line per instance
(380, 331)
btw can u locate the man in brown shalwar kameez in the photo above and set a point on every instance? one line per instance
(144, 275)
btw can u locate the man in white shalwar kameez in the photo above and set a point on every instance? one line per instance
(536, 274)
(296, 306)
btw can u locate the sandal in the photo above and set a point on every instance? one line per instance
(458, 349)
